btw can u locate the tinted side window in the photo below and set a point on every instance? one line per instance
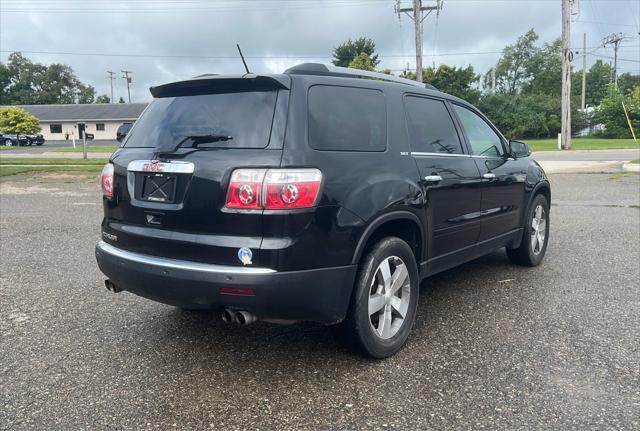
(431, 128)
(347, 119)
(484, 141)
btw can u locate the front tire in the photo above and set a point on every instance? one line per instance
(8, 143)
(535, 237)
(385, 299)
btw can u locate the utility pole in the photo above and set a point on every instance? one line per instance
(614, 39)
(418, 17)
(584, 70)
(128, 80)
(417, 21)
(111, 78)
(565, 133)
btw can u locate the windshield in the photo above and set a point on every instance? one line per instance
(245, 116)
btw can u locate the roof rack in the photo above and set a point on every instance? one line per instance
(324, 70)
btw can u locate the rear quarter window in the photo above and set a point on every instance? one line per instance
(346, 119)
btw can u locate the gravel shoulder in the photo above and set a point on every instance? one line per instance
(495, 346)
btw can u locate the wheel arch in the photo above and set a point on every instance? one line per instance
(542, 187)
(403, 224)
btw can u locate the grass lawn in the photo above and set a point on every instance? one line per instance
(636, 161)
(12, 170)
(90, 149)
(17, 166)
(51, 161)
(582, 144)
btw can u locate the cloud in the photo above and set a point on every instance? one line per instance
(193, 37)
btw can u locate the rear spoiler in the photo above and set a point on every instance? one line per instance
(212, 84)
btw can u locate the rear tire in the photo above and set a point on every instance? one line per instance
(535, 237)
(385, 299)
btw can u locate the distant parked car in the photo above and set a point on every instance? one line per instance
(35, 139)
(122, 131)
(13, 140)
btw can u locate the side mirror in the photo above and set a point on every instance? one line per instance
(120, 137)
(519, 149)
(89, 136)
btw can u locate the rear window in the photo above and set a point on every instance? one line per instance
(245, 116)
(347, 119)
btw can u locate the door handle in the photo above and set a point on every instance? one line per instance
(489, 176)
(433, 178)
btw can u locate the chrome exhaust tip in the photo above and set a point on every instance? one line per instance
(228, 315)
(245, 318)
(111, 287)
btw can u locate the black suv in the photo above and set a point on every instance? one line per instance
(314, 195)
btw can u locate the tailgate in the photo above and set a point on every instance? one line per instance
(170, 201)
(192, 224)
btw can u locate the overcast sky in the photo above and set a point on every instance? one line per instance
(175, 39)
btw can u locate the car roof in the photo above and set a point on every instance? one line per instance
(310, 73)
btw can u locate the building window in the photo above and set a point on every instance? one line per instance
(55, 128)
(100, 127)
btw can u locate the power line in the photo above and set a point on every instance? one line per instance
(603, 23)
(225, 57)
(258, 57)
(194, 7)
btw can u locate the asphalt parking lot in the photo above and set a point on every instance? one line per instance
(495, 346)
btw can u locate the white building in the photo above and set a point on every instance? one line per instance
(60, 122)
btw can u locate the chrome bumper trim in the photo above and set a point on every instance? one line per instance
(179, 264)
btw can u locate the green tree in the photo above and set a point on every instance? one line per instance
(4, 84)
(362, 62)
(611, 112)
(457, 81)
(346, 52)
(121, 100)
(103, 98)
(24, 78)
(544, 69)
(513, 70)
(523, 115)
(626, 82)
(85, 93)
(598, 78)
(29, 83)
(17, 121)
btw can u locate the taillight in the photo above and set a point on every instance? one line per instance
(107, 180)
(274, 189)
(291, 188)
(245, 189)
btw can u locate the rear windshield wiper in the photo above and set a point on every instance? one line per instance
(203, 139)
(197, 140)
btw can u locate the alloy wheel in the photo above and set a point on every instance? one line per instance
(389, 297)
(538, 229)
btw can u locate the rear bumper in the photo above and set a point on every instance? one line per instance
(319, 295)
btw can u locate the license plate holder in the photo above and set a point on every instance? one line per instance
(158, 187)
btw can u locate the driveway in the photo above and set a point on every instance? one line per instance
(589, 155)
(494, 346)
